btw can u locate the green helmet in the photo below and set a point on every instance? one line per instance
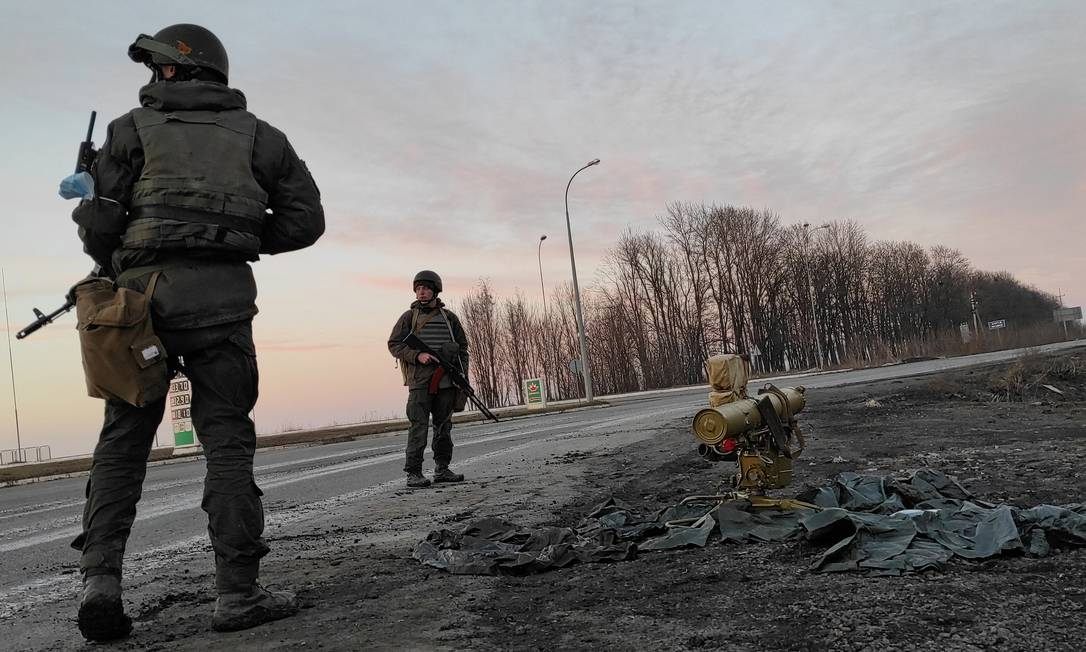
(182, 45)
(426, 276)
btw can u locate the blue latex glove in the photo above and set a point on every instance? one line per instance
(78, 185)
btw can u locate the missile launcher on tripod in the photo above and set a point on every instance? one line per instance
(759, 434)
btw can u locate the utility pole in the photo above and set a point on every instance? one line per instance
(11, 364)
(973, 310)
(810, 285)
(1063, 321)
(976, 317)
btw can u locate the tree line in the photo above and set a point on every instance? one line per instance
(716, 279)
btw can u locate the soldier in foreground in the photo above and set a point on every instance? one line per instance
(430, 391)
(189, 189)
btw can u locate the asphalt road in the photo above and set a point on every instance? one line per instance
(307, 485)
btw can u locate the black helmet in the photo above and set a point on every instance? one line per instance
(182, 45)
(426, 276)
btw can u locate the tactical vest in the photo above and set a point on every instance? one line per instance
(434, 330)
(197, 188)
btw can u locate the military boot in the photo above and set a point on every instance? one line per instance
(101, 614)
(444, 474)
(416, 480)
(237, 610)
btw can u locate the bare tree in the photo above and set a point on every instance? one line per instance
(478, 314)
(725, 278)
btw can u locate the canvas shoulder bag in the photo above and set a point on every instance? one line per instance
(123, 359)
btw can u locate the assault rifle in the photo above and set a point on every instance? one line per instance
(453, 372)
(83, 162)
(69, 303)
(43, 319)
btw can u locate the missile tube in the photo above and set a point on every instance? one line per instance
(714, 425)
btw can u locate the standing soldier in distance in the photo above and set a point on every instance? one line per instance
(430, 392)
(194, 187)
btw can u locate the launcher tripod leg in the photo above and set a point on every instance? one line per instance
(696, 522)
(780, 503)
(756, 500)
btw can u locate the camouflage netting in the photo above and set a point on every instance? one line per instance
(867, 522)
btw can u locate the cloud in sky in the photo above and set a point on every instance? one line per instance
(442, 136)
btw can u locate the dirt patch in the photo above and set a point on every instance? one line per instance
(363, 591)
(1024, 451)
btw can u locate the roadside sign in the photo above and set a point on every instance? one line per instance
(1067, 314)
(534, 394)
(180, 405)
(997, 324)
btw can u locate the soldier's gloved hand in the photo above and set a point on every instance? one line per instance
(78, 185)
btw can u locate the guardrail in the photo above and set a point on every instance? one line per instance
(24, 455)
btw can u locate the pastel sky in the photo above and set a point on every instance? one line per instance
(442, 135)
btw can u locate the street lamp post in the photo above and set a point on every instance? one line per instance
(586, 371)
(539, 258)
(542, 288)
(810, 286)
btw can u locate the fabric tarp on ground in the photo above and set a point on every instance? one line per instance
(738, 521)
(867, 522)
(611, 532)
(491, 546)
(893, 527)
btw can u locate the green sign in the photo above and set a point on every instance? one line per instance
(180, 401)
(533, 392)
(184, 437)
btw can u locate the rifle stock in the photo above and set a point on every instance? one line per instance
(458, 379)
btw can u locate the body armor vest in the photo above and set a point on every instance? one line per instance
(433, 328)
(197, 188)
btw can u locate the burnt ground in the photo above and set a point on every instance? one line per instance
(994, 429)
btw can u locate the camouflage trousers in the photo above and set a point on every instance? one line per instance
(220, 362)
(421, 406)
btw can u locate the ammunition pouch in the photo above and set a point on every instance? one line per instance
(171, 235)
(123, 359)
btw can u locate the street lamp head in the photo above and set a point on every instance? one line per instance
(594, 161)
(542, 238)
